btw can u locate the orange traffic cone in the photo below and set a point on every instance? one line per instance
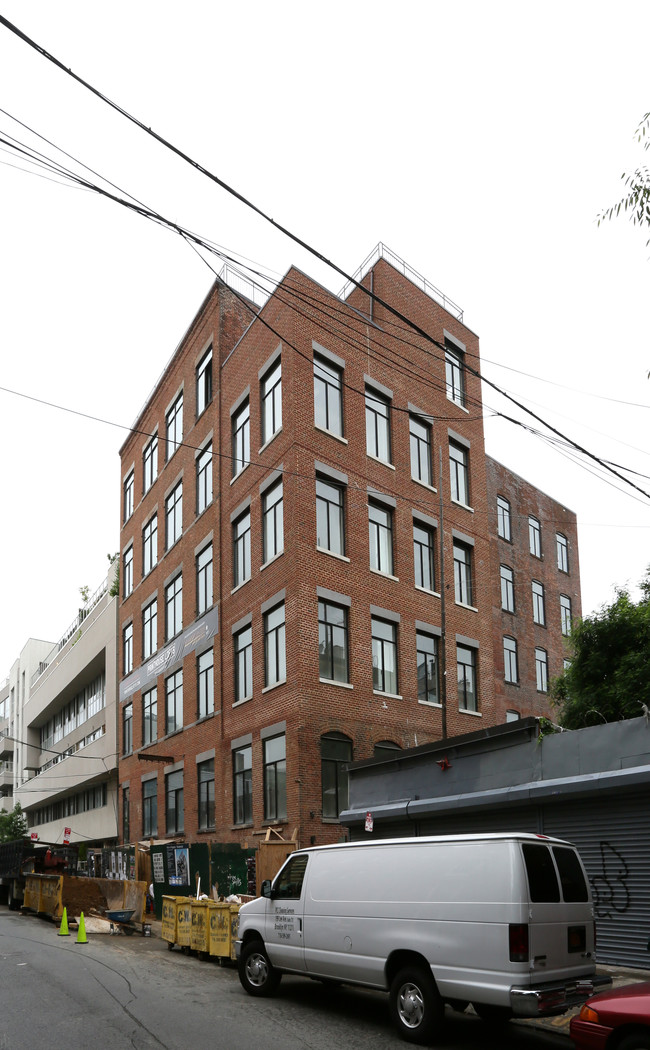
(81, 935)
(63, 928)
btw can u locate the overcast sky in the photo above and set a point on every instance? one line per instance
(478, 140)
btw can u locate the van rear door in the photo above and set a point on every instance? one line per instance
(561, 927)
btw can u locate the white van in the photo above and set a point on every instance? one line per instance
(502, 921)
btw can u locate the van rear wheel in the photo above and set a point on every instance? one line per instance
(256, 972)
(415, 1006)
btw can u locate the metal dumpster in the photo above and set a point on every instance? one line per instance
(177, 921)
(223, 929)
(200, 927)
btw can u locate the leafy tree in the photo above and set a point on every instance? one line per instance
(607, 679)
(636, 201)
(13, 825)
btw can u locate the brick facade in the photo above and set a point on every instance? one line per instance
(311, 681)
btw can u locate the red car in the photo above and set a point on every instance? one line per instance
(615, 1020)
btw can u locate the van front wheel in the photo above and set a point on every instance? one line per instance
(415, 1006)
(256, 971)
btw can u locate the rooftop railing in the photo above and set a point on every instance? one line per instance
(74, 627)
(382, 252)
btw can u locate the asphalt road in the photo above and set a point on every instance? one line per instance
(131, 993)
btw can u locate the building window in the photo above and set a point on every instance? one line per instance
(150, 808)
(205, 683)
(127, 648)
(423, 556)
(242, 772)
(174, 802)
(380, 521)
(126, 815)
(204, 383)
(127, 729)
(275, 778)
(333, 642)
(466, 670)
(565, 614)
(459, 473)
(377, 425)
(204, 479)
(427, 666)
(335, 757)
(503, 519)
(150, 545)
(420, 437)
(174, 515)
(541, 670)
(385, 749)
(562, 546)
(129, 483)
(204, 594)
(384, 656)
(205, 778)
(535, 536)
(174, 702)
(241, 541)
(272, 522)
(243, 643)
(241, 438)
(174, 607)
(174, 426)
(150, 629)
(150, 463)
(328, 399)
(539, 614)
(271, 398)
(463, 574)
(127, 572)
(511, 673)
(275, 669)
(150, 716)
(455, 374)
(507, 588)
(512, 716)
(330, 529)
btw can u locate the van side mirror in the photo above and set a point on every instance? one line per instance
(266, 889)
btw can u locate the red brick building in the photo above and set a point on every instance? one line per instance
(283, 610)
(536, 590)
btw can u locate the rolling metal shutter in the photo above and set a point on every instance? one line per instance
(613, 838)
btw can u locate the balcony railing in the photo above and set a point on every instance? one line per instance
(74, 627)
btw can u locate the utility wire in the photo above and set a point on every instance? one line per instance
(292, 236)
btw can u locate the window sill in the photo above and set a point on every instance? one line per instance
(390, 696)
(207, 831)
(237, 827)
(384, 462)
(244, 700)
(333, 554)
(331, 433)
(333, 681)
(430, 703)
(239, 473)
(515, 685)
(268, 688)
(424, 484)
(465, 506)
(240, 585)
(271, 439)
(386, 575)
(425, 590)
(462, 605)
(458, 404)
(271, 560)
(466, 711)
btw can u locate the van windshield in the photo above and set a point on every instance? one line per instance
(542, 880)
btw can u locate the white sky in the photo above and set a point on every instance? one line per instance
(477, 140)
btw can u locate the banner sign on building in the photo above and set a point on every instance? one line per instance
(172, 655)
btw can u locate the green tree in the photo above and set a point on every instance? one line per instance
(13, 825)
(607, 679)
(636, 200)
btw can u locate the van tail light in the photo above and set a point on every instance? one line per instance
(518, 938)
(576, 938)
